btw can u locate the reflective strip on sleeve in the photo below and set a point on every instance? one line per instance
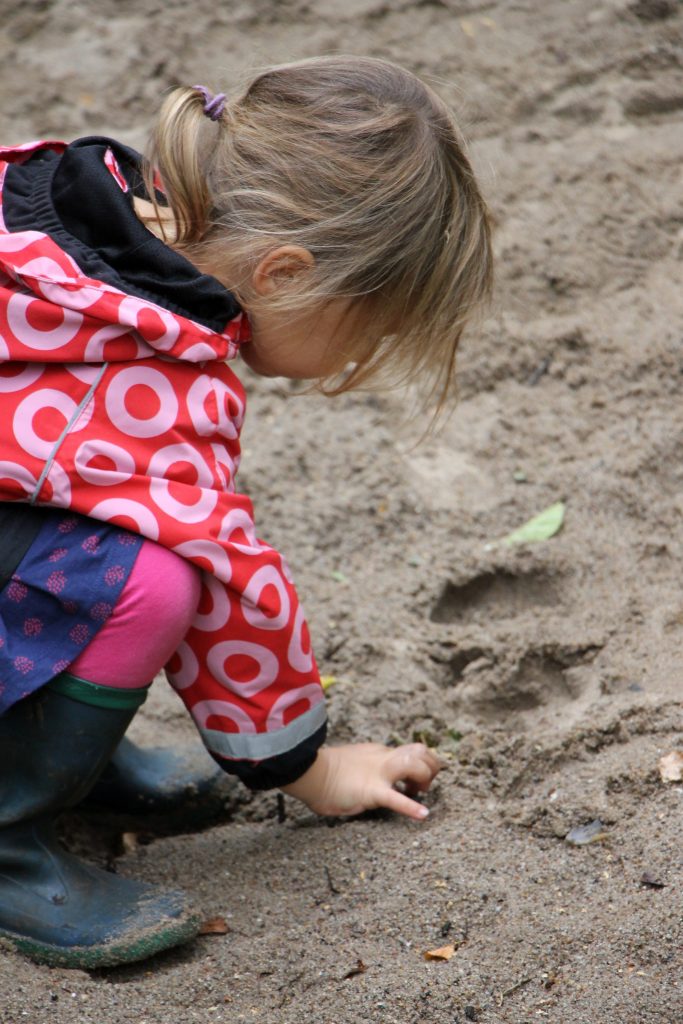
(261, 745)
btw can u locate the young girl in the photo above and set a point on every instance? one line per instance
(326, 225)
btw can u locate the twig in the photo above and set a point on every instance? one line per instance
(333, 887)
(281, 811)
(501, 996)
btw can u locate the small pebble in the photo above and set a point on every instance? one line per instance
(582, 835)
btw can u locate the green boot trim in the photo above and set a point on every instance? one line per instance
(98, 696)
(124, 950)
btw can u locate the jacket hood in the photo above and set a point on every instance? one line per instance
(69, 237)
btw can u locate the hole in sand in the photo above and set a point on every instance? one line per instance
(461, 659)
(500, 594)
(540, 680)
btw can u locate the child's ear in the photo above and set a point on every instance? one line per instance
(280, 266)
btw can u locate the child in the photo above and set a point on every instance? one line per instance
(326, 225)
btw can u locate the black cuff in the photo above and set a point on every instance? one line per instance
(276, 771)
(20, 524)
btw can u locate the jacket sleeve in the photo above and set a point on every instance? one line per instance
(245, 670)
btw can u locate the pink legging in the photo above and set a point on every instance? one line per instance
(153, 614)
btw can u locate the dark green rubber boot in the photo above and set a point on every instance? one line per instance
(54, 907)
(163, 790)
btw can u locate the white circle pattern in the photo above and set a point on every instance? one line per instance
(239, 519)
(201, 508)
(39, 401)
(18, 474)
(20, 241)
(48, 339)
(60, 483)
(124, 463)
(188, 672)
(94, 350)
(310, 692)
(265, 659)
(206, 709)
(300, 660)
(21, 380)
(112, 508)
(217, 618)
(207, 550)
(152, 426)
(266, 576)
(130, 310)
(220, 395)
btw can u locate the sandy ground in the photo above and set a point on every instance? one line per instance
(548, 676)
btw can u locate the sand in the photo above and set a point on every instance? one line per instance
(547, 675)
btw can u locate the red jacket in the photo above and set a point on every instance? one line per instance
(122, 407)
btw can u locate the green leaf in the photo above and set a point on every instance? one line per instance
(543, 526)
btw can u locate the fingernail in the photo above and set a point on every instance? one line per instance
(423, 812)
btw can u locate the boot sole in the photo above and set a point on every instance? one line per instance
(125, 950)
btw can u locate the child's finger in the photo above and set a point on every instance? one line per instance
(415, 772)
(402, 804)
(435, 765)
(416, 766)
(422, 751)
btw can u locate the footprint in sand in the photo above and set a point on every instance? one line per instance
(521, 681)
(498, 594)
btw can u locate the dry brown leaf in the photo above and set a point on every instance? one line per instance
(671, 767)
(360, 968)
(443, 953)
(214, 926)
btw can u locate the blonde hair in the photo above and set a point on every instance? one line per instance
(359, 162)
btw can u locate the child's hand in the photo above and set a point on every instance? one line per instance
(362, 776)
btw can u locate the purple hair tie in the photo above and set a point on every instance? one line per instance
(213, 105)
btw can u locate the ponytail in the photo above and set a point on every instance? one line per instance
(177, 151)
